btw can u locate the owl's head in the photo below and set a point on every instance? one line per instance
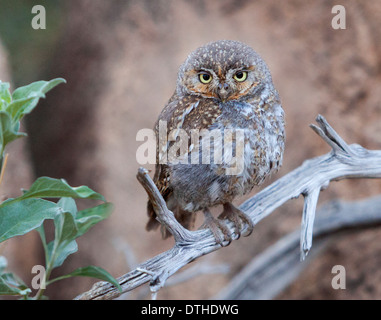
(225, 70)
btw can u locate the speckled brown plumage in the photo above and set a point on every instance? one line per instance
(224, 102)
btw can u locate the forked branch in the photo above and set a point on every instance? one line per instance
(344, 161)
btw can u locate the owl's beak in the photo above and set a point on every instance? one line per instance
(223, 91)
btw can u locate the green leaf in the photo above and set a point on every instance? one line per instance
(18, 108)
(93, 272)
(26, 98)
(5, 95)
(63, 244)
(7, 131)
(68, 205)
(67, 250)
(41, 231)
(6, 289)
(36, 88)
(3, 264)
(10, 284)
(65, 229)
(69, 226)
(18, 218)
(45, 187)
(86, 218)
(14, 280)
(62, 252)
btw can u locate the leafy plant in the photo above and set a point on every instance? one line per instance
(28, 212)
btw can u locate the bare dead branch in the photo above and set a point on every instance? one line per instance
(344, 161)
(278, 266)
(164, 215)
(189, 274)
(308, 217)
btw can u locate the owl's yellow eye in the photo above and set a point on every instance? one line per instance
(205, 77)
(240, 76)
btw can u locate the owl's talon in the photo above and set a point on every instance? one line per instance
(216, 227)
(238, 217)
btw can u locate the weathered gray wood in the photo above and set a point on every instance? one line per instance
(278, 266)
(308, 217)
(344, 161)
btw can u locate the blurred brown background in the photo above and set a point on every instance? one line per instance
(120, 60)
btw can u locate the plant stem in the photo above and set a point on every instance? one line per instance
(49, 266)
(42, 289)
(4, 161)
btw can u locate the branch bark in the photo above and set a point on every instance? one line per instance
(344, 161)
(269, 273)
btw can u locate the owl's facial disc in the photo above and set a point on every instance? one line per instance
(223, 62)
(230, 83)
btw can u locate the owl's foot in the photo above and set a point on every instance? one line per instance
(238, 217)
(216, 227)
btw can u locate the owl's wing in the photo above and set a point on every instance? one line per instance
(166, 120)
(181, 113)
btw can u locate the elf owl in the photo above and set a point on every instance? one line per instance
(222, 87)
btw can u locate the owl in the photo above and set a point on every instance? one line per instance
(223, 88)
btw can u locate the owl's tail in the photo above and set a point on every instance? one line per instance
(185, 218)
(152, 223)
